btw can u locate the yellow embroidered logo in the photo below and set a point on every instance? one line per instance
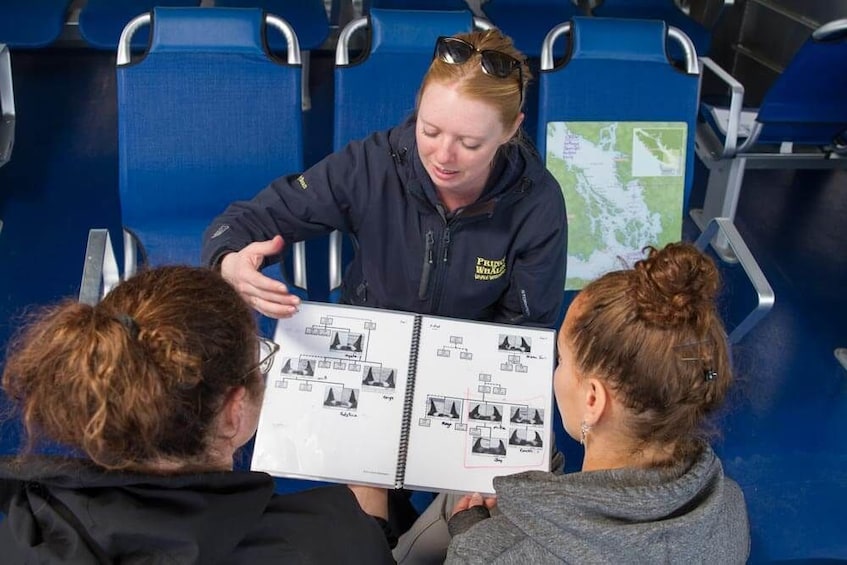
(302, 180)
(489, 269)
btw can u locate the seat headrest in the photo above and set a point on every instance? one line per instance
(619, 39)
(398, 31)
(207, 30)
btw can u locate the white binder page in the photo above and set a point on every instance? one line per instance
(482, 404)
(334, 398)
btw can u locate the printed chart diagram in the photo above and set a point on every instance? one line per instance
(339, 359)
(333, 402)
(494, 423)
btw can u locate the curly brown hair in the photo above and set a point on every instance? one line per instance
(139, 377)
(653, 334)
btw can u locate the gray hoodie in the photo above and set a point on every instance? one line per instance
(693, 515)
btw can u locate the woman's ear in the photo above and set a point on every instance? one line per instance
(232, 416)
(515, 127)
(596, 400)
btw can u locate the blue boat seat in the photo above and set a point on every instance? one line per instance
(625, 162)
(102, 21)
(308, 18)
(199, 117)
(32, 23)
(528, 21)
(801, 123)
(441, 5)
(665, 10)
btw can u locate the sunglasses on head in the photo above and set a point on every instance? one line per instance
(455, 51)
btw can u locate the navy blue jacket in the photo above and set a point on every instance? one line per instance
(500, 259)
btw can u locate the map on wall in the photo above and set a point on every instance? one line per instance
(623, 184)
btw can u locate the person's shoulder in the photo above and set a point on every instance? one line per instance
(327, 522)
(489, 541)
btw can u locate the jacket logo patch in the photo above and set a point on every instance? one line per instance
(221, 229)
(302, 180)
(489, 269)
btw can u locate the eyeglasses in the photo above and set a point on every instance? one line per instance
(264, 357)
(455, 51)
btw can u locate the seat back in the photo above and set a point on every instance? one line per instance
(32, 23)
(205, 118)
(806, 103)
(528, 21)
(666, 10)
(308, 18)
(368, 5)
(616, 127)
(377, 91)
(102, 21)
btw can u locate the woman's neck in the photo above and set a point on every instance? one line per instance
(604, 455)
(453, 202)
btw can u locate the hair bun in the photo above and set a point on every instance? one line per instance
(674, 284)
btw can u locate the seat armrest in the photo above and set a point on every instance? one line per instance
(754, 273)
(736, 104)
(100, 269)
(7, 105)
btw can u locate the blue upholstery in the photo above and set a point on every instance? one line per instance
(368, 5)
(805, 107)
(101, 21)
(528, 21)
(618, 71)
(307, 17)
(665, 10)
(807, 102)
(378, 91)
(204, 118)
(32, 23)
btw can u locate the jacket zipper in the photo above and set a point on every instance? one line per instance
(427, 265)
(441, 275)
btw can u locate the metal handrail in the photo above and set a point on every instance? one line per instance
(762, 287)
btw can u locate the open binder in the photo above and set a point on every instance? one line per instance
(394, 399)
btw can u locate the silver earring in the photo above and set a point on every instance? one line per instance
(584, 428)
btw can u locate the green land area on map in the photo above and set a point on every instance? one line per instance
(623, 184)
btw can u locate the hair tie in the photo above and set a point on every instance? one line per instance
(129, 323)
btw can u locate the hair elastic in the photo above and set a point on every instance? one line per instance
(129, 323)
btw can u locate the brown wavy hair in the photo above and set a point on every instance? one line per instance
(141, 376)
(506, 95)
(653, 334)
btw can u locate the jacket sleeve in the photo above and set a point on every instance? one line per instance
(331, 195)
(537, 279)
(463, 521)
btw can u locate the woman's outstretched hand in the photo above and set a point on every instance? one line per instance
(268, 296)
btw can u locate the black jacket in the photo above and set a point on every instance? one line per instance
(500, 259)
(67, 511)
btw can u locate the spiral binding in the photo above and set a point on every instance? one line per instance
(407, 405)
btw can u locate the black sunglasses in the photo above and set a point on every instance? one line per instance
(455, 51)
